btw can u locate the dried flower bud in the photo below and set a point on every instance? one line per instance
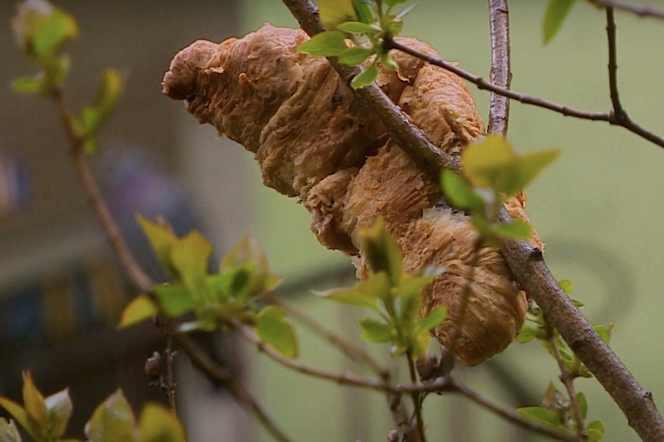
(153, 365)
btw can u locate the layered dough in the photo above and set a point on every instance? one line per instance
(314, 141)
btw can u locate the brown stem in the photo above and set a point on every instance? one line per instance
(507, 413)
(417, 399)
(170, 380)
(501, 75)
(527, 264)
(618, 110)
(568, 381)
(638, 10)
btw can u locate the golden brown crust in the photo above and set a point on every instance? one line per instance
(314, 141)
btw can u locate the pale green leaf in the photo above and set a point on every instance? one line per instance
(583, 404)
(52, 32)
(34, 404)
(530, 165)
(8, 431)
(556, 13)
(112, 421)
(376, 331)
(539, 414)
(356, 27)
(349, 296)
(595, 431)
(381, 251)
(566, 286)
(459, 192)
(435, 318)
(485, 164)
(365, 77)
(175, 300)
(21, 416)
(517, 229)
(158, 424)
(190, 257)
(59, 408)
(27, 85)
(335, 12)
(354, 56)
(325, 44)
(276, 332)
(527, 334)
(139, 309)
(162, 239)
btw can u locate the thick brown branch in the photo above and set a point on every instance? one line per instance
(501, 75)
(636, 9)
(526, 263)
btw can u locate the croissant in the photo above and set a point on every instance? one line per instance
(314, 141)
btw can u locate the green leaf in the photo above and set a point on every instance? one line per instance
(27, 85)
(90, 146)
(334, 12)
(34, 404)
(158, 424)
(603, 333)
(381, 251)
(376, 331)
(539, 414)
(583, 403)
(517, 229)
(190, 257)
(435, 318)
(349, 296)
(139, 309)
(8, 431)
(356, 27)
(175, 299)
(248, 254)
(388, 62)
(50, 34)
(162, 239)
(276, 332)
(365, 77)
(556, 13)
(112, 421)
(21, 416)
(530, 165)
(392, 3)
(485, 164)
(408, 291)
(566, 286)
(108, 93)
(527, 334)
(325, 44)
(363, 10)
(459, 192)
(354, 56)
(59, 408)
(595, 431)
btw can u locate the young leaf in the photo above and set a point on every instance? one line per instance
(388, 62)
(51, 33)
(354, 56)
(381, 251)
(158, 424)
(27, 85)
(276, 332)
(603, 333)
(350, 296)
(59, 408)
(139, 309)
(392, 3)
(21, 416)
(583, 404)
(334, 12)
(566, 286)
(325, 44)
(365, 77)
(527, 334)
(34, 404)
(408, 291)
(248, 254)
(162, 239)
(539, 414)
(517, 229)
(112, 421)
(487, 163)
(435, 318)
(595, 431)
(556, 13)
(108, 93)
(363, 10)
(376, 331)
(175, 299)
(190, 256)
(8, 431)
(460, 194)
(356, 27)
(529, 166)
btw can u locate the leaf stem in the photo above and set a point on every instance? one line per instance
(417, 398)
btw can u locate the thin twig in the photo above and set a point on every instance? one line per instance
(170, 380)
(525, 261)
(501, 75)
(618, 110)
(222, 377)
(608, 117)
(417, 399)
(636, 9)
(507, 413)
(568, 381)
(348, 348)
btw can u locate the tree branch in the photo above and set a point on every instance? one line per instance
(501, 75)
(639, 10)
(526, 262)
(417, 399)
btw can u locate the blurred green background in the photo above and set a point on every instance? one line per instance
(598, 208)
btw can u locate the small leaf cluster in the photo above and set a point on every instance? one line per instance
(393, 295)
(243, 276)
(367, 23)
(46, 419)
(556, 411)
(41, 29)
(492, 171)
